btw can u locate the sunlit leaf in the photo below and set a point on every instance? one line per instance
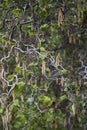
(16, 11)
(62, 98)
(18, 69)
(15, 103)
(45, 100)
(44, 27)
(10, 78)
(64, 71)
(19, 87)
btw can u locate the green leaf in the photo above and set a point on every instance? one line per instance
(20, 120)
(64, 71)
(51, 110)
(62, 98)
(36, 8)
(2, 109)
(42, 49)
(15, 103)
(18, 69)
(44, 27)
(43, 53)
(45, 100)
(10, 78)
(77, 88)
(49, 117)
(19, 87)
(16, 11)
(3, 39)
(20, 84)
(41, 98)
(39, 44)
(31, 33)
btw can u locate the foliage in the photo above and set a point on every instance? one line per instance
(43, 69)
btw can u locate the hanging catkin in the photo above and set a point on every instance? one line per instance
(62, 81)
(70, 39)
(1, 72)
(60, 17)
(17, 57)
(57, 61)
(74, 39)
(43, 68)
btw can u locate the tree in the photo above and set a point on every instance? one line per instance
(43, 71)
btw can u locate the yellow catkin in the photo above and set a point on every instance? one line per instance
(57, 61)
(43, 68)
(74, 39)
(57, 81)
(70, 39)
(17, 57)
(62, 81)
(60, 17)
(1, 72)
(24, 69)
